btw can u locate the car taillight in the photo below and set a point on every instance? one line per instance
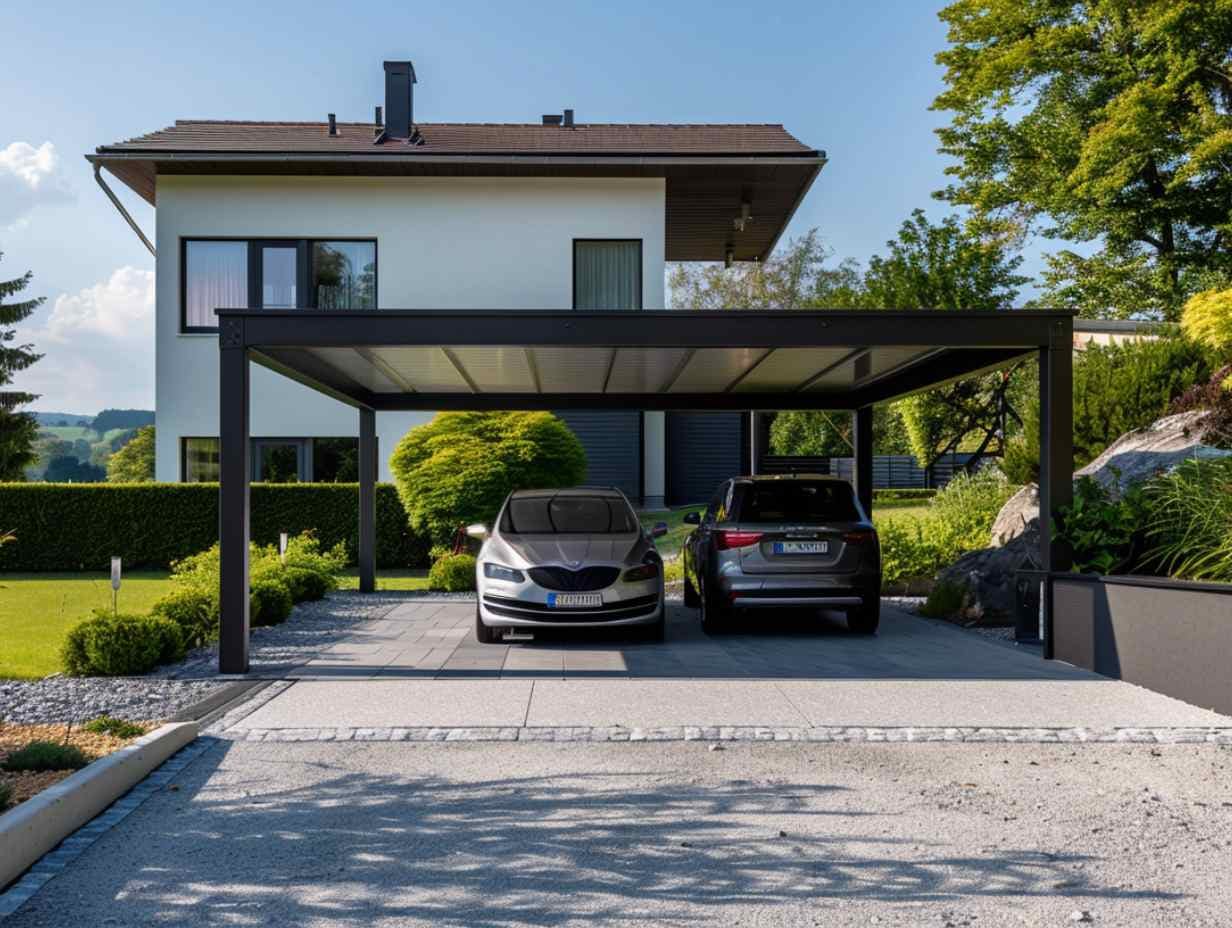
(725, 540)
(645, 572)
(865, 537)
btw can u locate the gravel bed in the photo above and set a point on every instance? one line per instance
(79, 699)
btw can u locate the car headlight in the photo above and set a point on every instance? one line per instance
(645, 572)
(501, 572)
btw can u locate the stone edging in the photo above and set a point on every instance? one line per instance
(53, 863)
(746, 733)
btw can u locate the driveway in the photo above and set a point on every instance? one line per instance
(419, 668)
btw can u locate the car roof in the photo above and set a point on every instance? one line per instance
(605, 492)
(760, 478)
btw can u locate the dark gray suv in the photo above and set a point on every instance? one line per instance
(799, 541)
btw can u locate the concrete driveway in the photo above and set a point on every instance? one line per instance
(419, 668)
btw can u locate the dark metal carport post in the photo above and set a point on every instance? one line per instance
(1056, 490)
(233, 512)
(862, 444)
(367, 500)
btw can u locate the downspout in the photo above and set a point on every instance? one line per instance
(115, 201)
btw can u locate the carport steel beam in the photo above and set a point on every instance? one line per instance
(965, 342)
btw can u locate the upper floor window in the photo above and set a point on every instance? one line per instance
(607, 274)
(274, 274)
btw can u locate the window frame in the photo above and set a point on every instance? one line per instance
(306, 445)
(305, 293)
(641, 302)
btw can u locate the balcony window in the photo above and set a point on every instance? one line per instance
(344, 275)
(607, 274)
(215, 276)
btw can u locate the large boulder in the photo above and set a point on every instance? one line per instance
(988, 574)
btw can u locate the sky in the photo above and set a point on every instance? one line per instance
(853, 79)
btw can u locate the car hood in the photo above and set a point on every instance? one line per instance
(572, 551)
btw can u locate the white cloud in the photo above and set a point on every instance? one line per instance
(97, 346)
(30, 177)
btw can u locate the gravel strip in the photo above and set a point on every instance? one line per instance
(79, 699)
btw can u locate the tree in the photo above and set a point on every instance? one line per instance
(110, 419)
(17, 430)
(458, 468)
(823, 433)
(1207, 319)
(67, 469)
(1101, 121)
(134, 462)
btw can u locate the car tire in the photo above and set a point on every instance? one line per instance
(691, 599)
(715, 615)
(485, 634)
(864, 619)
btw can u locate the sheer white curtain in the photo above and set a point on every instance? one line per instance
(607, 275)
(215, 276)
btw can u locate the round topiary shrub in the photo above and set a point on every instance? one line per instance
(121, 645)
(269, 603)
(194, 610)
(453, 573)
(306, 585)
(458, 468)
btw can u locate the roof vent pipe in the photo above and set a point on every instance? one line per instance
(333, 124)
(568, 122)
(377, 118)
(399, 102)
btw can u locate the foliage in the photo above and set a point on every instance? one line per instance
(110, 419)
(68, 469)
(121, 645)
(269, 603)
(151, 524)
(6, 796)
(453, 573)
(17, 430)
(944, 601)
(1207, 320)
(194, 610)
(134, 462)
(1109, 119)
(38, 756)
(1215, 398)
(458, 468)
(821, 433)
(117, 728)
(892, 494)
(1189, 521)
(1101, 528)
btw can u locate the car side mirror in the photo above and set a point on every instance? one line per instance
(478, 530)
(693, 518)
(659, 530)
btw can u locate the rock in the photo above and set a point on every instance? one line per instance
(1083, 916)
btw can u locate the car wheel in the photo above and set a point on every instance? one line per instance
(485, 634)
(715, 615)
(864, 619)
(691, 599)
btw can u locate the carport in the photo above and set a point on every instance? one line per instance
(386, 360)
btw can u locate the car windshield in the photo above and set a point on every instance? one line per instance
(568, 515)
(798, 501)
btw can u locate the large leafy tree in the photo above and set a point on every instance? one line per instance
(134, 461)
(17, 429)
(1099, 121)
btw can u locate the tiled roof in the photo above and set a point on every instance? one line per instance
(470, 139)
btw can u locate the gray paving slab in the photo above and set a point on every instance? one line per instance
(653, 703)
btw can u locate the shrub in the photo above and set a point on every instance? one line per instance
(1101, 529)
(46, 755)
(194, 610)
(155, 524)
(1189, 520)
(269, 603)
(1207, 318)
(306, 585)
(1215, 398)
(453, 573)
(6, 796)
(945, 600)
(121, 645)
(459, 467)
(117, 728)
(893, 494)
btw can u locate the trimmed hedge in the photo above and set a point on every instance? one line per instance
(78, 526)
(107, 645)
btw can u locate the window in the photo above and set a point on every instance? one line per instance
(798, 501)
(607, 274)
(274, 274)
(215, 276)
(278, 460)
(200, 460)
(568, 515)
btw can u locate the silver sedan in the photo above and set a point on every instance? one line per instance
(575, 558)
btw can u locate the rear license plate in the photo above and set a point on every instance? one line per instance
(574, 600)
(801, 547)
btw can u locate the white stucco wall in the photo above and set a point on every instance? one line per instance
(460, 243)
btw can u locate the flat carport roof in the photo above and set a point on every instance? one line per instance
(383, 360)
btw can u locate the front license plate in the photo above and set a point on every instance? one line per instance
(801, 547)
(574, 600)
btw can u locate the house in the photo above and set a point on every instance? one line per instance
(396, 214)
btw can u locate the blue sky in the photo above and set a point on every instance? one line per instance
(855, 79)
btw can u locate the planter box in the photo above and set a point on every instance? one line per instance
(1169, 636)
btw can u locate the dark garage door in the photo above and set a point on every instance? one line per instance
(613, 443)
(703, 450)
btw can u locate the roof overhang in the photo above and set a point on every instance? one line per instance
(704, 193)
(652, 360)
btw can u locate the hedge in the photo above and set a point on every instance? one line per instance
(79, 526)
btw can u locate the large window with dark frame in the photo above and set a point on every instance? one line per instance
(277, 460)
(607, 273)
(334, 274)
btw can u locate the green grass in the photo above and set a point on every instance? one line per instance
(38, 609)
(677, 531)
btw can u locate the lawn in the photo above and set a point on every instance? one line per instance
(37, 609)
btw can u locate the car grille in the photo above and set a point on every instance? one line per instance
(574, 581)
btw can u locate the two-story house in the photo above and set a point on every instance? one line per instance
(555, 214)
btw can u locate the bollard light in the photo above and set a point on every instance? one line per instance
(282, 547)
(116, 570)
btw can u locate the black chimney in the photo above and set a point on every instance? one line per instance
(399, 108)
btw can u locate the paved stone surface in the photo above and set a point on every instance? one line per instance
(504, 836)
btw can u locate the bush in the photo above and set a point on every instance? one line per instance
(117, 728)
(945, 601)
(269, 603)
(155, 524)
(46, 755)
(1189, 521)
(121, 645)
(902, 493)
(459, 467)
(1101, 529)
(194, 610)
(6, 796)
(1207, 318)
(1215, 398)
(307, 585)
(453, 573)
